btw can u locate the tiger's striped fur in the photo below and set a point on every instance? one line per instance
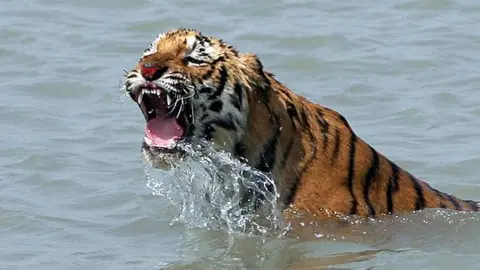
(318, 163)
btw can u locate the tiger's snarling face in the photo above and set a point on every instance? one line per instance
(183, 89)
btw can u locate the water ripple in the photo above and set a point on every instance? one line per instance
(72, 187)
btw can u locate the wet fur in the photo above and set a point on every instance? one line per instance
(318, 163)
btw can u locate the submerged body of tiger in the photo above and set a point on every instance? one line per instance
(192, 87)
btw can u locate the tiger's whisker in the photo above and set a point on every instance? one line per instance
(193, 114)
(181, 107)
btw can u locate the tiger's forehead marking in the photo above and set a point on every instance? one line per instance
(190, 39)
(196, 44)
(153, 46)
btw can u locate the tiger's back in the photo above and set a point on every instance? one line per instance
(322, 167)
(192, 87)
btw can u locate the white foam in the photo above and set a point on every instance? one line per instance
(207, 190)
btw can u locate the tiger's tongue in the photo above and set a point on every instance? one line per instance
(162, 131)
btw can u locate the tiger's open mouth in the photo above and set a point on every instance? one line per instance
(168, 116)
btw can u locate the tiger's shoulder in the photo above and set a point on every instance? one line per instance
(322, 166)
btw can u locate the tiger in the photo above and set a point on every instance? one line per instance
(192, 87)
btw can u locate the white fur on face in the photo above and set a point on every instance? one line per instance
(201, 50)
(191, 41)
(153, 46)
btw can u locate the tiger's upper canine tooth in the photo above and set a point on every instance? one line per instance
(169, 100)
(158, 92)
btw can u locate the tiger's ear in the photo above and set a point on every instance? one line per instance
(255, 69)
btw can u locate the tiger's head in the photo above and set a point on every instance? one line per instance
(191, 87)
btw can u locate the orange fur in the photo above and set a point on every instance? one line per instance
(329, 167)
(318, 163)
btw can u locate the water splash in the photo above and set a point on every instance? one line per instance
(211, 189)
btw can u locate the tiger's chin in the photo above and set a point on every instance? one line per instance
(161, 158)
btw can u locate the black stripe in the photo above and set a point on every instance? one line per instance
(205, 90)
(336, 149)
(473, 205)
(351, 173)
(158, 73)
(389, 198)
(228, 122)
(420, 202)
(239, 150)
(212, 69)
(287, 151)
(205, 116)
(265, 94)
(448, 197)
(265, 97)
(193, 60)
(221, 85)
(292, 112)
(216, 106)
(284, 91)
(325, 127)
(392, 186)
(237, 99)
(309, 160)
(343, 120)
(267, 157)
(205, 39)
(454, 202)
(304, 119)
(442, 198)
(208, 131)
(369, 178)
(219, 59)
(261, 72)
(293, 191)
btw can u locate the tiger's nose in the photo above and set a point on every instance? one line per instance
(151, 72)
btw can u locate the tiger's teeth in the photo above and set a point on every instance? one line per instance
(169, 100)
(140, 97)
(158, 92)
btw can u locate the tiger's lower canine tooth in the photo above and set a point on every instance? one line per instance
(140, 97)
(169, 100)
